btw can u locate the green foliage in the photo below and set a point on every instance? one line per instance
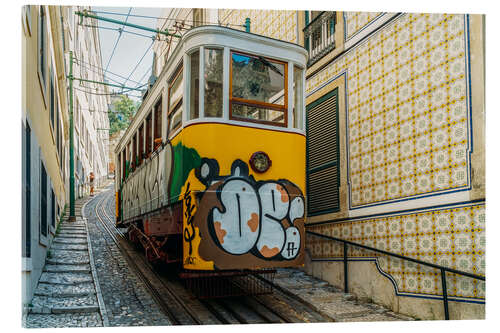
(124, 110)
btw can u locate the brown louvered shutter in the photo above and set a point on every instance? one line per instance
(323, 176)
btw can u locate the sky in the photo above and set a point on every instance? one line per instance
(125, 62)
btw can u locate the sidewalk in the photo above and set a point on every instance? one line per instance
(331, 301)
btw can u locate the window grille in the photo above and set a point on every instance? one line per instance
(319, 35)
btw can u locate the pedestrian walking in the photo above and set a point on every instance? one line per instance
(91, 183)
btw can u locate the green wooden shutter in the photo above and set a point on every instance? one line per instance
(323, 174)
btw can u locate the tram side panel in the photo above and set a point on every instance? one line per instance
(233, 216)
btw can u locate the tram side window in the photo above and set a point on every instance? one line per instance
(194, 99)
(134, 151)
(141, 145)
(157, 130)
(213, 82)
(298, 97)
(149, 124)
(124, 164)
(175, 103)
(258, 89)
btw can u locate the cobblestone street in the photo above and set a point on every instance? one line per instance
(72, 292)
(126, 301)
(90, 285)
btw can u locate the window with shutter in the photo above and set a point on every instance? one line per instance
(43, 202)
(323, 175)
(27, 212)
(52, 208)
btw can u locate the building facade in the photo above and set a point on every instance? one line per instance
(49, 33)
(396, 147)
(91, 105)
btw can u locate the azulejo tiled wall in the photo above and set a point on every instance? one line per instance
(278, 24)
(453, 237)
(407, 109)
(355, 21)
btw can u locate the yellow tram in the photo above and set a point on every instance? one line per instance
(211, 171)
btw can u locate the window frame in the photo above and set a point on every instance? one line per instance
(172, 108)
(148, 133)
(203, 91)
(44, 234)
(237, 100)
(27, 212)
(42, 36)
(157, 120)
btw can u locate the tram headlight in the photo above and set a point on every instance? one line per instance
(260, 162)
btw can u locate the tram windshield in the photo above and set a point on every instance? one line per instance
(258, 89)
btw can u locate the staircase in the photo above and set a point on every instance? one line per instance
(66, 290)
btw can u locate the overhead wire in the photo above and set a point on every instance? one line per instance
(119, 30)
(140, 60)
(88, 67)
(118, 39)
(179, 25)
(107, 71)
(108, 94)
(167, 18)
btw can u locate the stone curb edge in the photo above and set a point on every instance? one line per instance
(100, 300)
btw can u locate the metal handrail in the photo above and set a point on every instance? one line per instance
(442, 269)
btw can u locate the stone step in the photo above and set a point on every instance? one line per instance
(70, 241)
(67, 268)
(71, 236)
(70, 257)
(70, 247)
(64, 302)
(67, 228)
(59, 290)
(65, 278)
(72, 233)
(65, 309)
(67, 262)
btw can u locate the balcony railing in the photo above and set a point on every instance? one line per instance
(320, 36)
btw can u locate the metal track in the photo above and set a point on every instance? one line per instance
(165, 304)
(221, 309)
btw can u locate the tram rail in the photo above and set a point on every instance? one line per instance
(234, 310)
(166, 298)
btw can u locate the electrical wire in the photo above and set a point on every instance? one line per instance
(119, 30)
(167, 18)
(118, 39)
(107, 71)
(150, 45)
(94, 71)
(107, 94)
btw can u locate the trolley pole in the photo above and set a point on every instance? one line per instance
(72, 216)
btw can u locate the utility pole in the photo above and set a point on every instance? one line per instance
(72, 216)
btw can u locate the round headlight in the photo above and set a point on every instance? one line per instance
(260, 162)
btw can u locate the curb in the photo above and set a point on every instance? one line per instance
(58, 310)
(100, 300)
